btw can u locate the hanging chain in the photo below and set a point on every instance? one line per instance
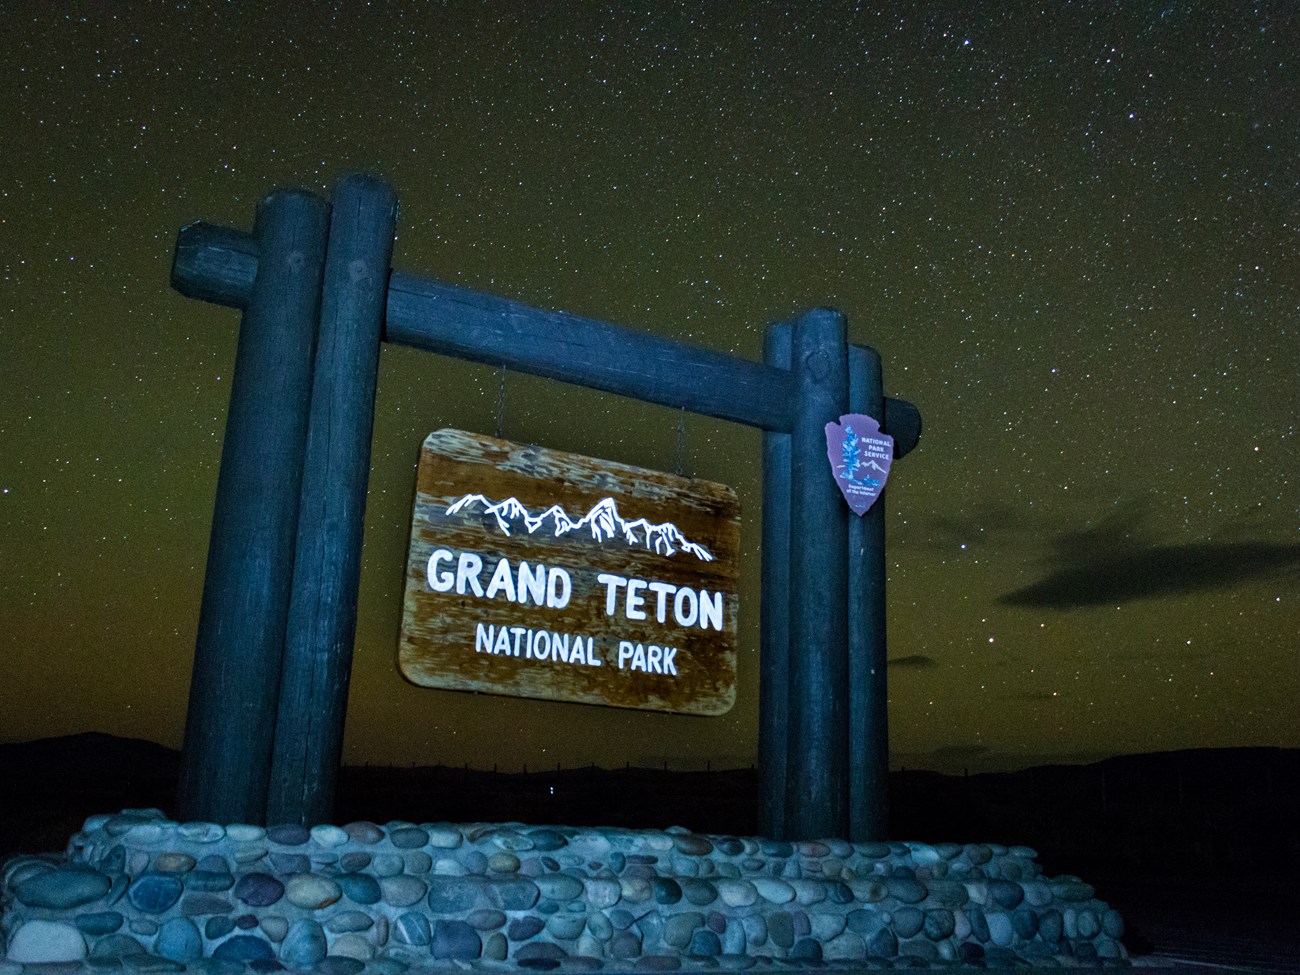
(501, 404)
(681, 442)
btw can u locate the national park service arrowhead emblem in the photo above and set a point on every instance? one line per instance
(860, 457)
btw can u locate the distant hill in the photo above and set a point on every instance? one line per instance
(1189, 813)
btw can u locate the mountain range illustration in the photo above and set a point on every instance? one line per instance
(603, 521)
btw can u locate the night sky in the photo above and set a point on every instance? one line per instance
(1071, 229)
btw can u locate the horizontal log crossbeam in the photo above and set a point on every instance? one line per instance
(219, 265)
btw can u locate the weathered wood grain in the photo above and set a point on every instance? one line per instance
(437, 646)
(774, 631)
(867, 692)
(317, 662)
(817, 761)
(227, 755)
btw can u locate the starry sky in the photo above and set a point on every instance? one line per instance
(1071, 229)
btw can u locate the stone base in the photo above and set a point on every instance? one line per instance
(138, 892)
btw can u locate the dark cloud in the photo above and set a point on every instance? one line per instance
(915, 660)
(1100, 575)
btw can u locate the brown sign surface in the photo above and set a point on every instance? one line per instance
(536, 573)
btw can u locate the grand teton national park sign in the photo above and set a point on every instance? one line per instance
(537, 573)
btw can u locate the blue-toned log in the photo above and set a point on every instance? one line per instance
(774, 606)
(902, 422)
(217, 264)
(226, 757)
(868, 698)
(327, 568)
(817, 760)
(483, 328)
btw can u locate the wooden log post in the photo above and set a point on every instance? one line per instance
(226, 757)
(817, 760)
(774, 630)
(327, 569)
(868, 695)
(218, 264)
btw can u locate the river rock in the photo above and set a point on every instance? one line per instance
(364, 832)
(665, 890)
(210, 880)
(624, 945)
(566, 927)
(328, 837)
(218, 927)
(455, 941)
(349, 921)
(311, 891)
(515, 895)
(179, 940)
(244, 948)
(288, 834)
(258, 889)
(678, 928)
(1006, 893)
(1001, 931)
(360, 888)
(304, 945)
(826, 926)
(99, 923)
(173, 863)
(39, 941)
(773, 891)
(352, 945)
(882, 944)
(154, 893)
(275, 927)
(523, 928)
(412, 928)
(603, 893)
(906, 890)
(780, 929)
(283, 863)
(402, 890)
(698, 892)
(60, 889)
(704, 944)
(539, 951)
(1025, 923)
(354, 860)
(116, 946)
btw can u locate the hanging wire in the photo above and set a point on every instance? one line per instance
(501, 403)
(681, 442)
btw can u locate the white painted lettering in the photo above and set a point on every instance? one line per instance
(483, 638)
(635, 600)
(502, 581)
(440, 580)
(559, 587)
(467, 569)
(710, 610)
(669, 666)
(662, 591)
(686, 607)
(503, 642)
(532, 584)
(612, 585)
(518, 631)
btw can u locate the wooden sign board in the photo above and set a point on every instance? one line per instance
(537, 573)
